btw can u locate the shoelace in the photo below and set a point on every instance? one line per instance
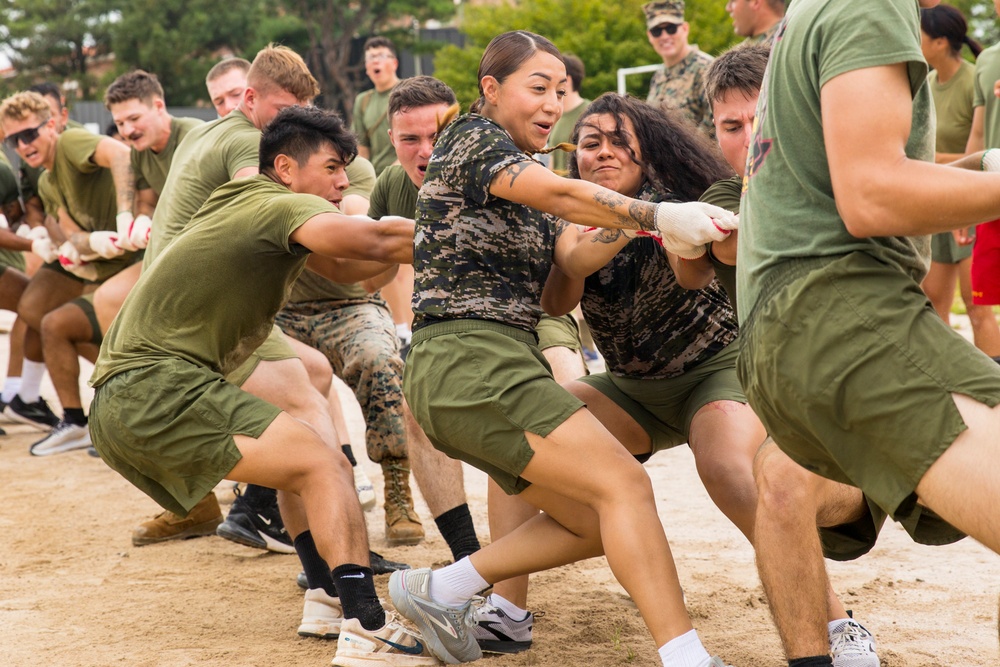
(850, 637)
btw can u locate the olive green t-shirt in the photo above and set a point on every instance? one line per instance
(986, 75)
(953, 105)
(85, 190)
(563, 131)
(208, 156)
(371, 125)
(394, 194)
(9, 193)
(211, 297)
(788, 210)
(725, 194)
(29, 175)
(151, 168)
(313, 287)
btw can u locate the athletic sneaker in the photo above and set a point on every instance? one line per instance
(37, 414)
(717, 662)
(260, 528)
(496, 632)
(366, 490)
(447, 630)
(390, 645)
(321, 615)
(852, 645)
(63, 438)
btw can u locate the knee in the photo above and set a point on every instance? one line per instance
(783, 487)
(57, 325)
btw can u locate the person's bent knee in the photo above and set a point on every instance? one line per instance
(65, 322)
(783, 487)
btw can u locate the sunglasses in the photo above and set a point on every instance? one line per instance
(24, 136)
(669, 28)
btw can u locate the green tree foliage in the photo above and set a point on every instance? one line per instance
(605, 35)
(331, 26)
(982, 17)
(55, 39)
(179, 40)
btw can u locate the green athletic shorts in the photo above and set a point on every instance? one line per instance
(664, 408)
(476, 386)
(168, 429)
(851, 371)
(86, 304)
(274, 348)
(558, 332)
(945, 249)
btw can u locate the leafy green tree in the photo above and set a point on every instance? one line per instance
(179, 40)
(331, 26)
(605, 35)
(56, 39)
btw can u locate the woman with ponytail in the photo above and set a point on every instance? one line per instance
(489, 221)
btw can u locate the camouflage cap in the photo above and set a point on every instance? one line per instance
(663, 11)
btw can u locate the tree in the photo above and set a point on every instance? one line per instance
(605, 35)
(331, 27)
(55, 39)
(179, 40)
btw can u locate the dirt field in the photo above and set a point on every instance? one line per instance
(75, 592)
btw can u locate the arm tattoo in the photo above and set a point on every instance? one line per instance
(124, 178)
(614, 202)
(515, 170)
(561, 226)
(644, 213)
(606, 236)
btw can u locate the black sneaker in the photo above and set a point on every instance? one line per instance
(37, 414)
(380, 565)
(260, 528)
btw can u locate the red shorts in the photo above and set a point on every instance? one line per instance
(986, 265)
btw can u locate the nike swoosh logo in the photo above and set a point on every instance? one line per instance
(416, 649)
(447, 627)
(267, 522)
(360, 575)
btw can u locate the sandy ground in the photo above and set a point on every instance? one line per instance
(75, 592)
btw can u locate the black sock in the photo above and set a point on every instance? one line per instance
(260, 496)
(350, 455)
(356, 585)
(74, 416)
(812, 661)
(317, 571)
(458, 531)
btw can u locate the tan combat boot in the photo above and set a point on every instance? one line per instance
(402, 525)
(201, 520)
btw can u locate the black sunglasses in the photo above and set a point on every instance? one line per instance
(669, 28)
(25, 136)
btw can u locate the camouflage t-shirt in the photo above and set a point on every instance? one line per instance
(151, 168)
(681, 87)
(644, 323)
(477, 256)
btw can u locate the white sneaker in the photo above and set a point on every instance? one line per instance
(63, 438)
(496, 632)
(363, 485)
(390, 645)
(852, 645)
(321, 615)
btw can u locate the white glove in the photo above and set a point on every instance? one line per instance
(3, 222)
(24, 231)
(77, 264)
(105, 244)
(35, 232)
(44, 249)
(138, 235)
(123, 224)
(687, 228)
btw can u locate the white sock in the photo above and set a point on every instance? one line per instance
(685, 651)
(10, 388)
(32, 373)
(454, 585)
(403, 332)
(508, 607)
